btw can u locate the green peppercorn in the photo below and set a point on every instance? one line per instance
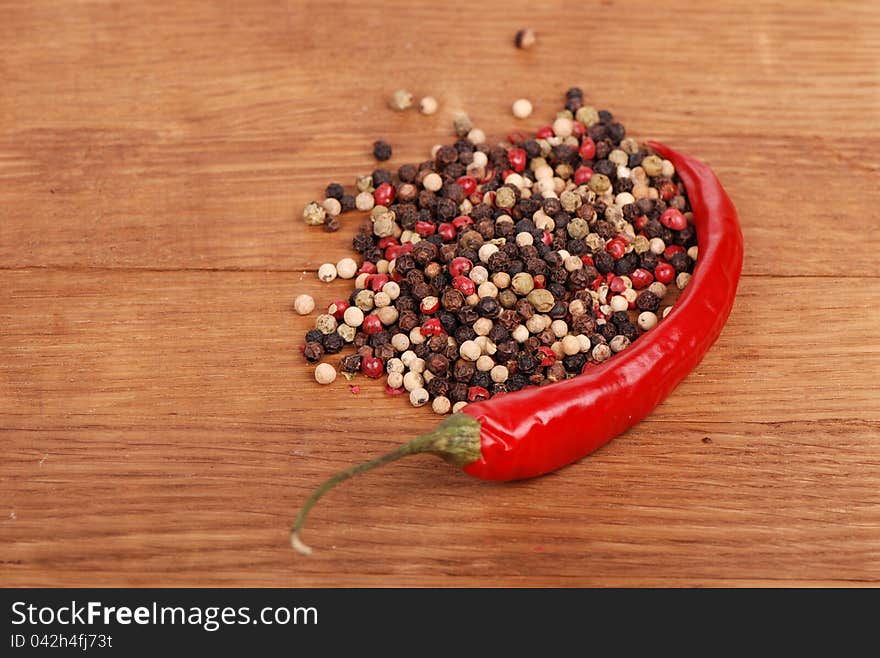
(600, 184)
(542, 300)
(314, 214)
(505, 197)
(653, 165)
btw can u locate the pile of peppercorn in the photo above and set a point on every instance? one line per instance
(488, 269)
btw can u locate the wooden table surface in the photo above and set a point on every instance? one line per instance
(161, 427)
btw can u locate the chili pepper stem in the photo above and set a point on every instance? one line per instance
(456, 439)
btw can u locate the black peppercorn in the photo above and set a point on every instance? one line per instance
(516, 381)
(526, 363)
(437, 364)
(334, 191)
(481, 379)
(347, 202)
(468, 315)
(381, 176)
(462, 370)
(647, 301)
(574, 363)
(627, 263)
(458, 391)
(333, 343)
(314, 336)
(608, 330)
(437, 387)
(313, 352)
(488, 307)
(464, 333)
(603, 262)
(350, 363)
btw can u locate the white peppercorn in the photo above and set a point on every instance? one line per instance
(646, 320)
(364, 201)
(658, 289)
(682, 280)
(412, 380)
(521, 108)
(487, 289)
(364, 300)
(428, 105)
(400, 100)
(408, 357)
(400, 342)
(458, 406)
(559, 328)
(619, 343)
(499, 374)
(304, 304)
(520, 333)
(347, 332)
(432, 182)
(417, 365)
(327, 272)
(325, 373)
(391, 289)
(476, 136)
(469, 350)
(416, 337)
(419, 397)
(601, 352)
(441, 405)
(388, 315)
(485, 363)
(395, 380)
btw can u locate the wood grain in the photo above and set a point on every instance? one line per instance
(160, 426)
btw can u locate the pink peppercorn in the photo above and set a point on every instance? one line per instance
(664, 272)
(372, 366)
(617, 284)
(548, 357)
(668, 190)
(578, 129)
(376, 281)
(641, 222)
(337, 308)
(616, 248)
(460, 265)
(446, 230)
(424, 229)
(477, 393)
(367, 268)
(468, 184)
(384, 194)
(387, 242)
(371, 325)
(582, 175)
(672, 218)
(547, 238)
(641, 278)
(517, 159)
(544, 133)
(461, 221)
(430, 305)
(587, 149)
(464, 285)
(431, 327)
(540, 281)
(671, 250)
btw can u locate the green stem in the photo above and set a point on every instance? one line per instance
(456, 439)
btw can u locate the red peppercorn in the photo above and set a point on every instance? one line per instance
(376, 281)
(545, 133)
(430, 305)
(489, 198)
(393, 391)
(548, 357)
(387, 242)
(587, 260)
(587, 149)
(477, 393)
(461, 221)
(672, 218)
(578, 129)
(464, 285)
(547, 238)
(668, 190)
(337, 308)
(372, 366)
(582, 175)
(446, 230)
(367, 268)
(431, 327)
(617, 285)
(384, 194)
(506, 173)
(393, 252)
(372, 325)
(517, 159)
(641, 222)
(673, 249)
(587, 366)
(424, 229)
(641, 278)
(540, 281)
(460, 265)
(468, 184)
(598, 281)
(664, 272)
(616, 248)
(490, 174)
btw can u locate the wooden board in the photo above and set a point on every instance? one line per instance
(160, 426)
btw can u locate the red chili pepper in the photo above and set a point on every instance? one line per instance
(537, 430)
